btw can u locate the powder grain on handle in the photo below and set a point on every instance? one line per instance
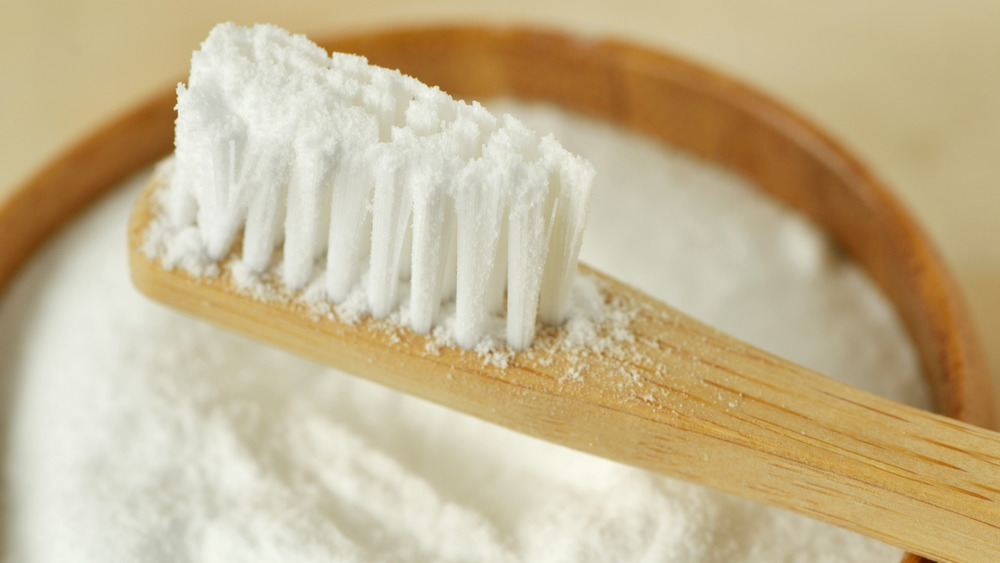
(139, 434)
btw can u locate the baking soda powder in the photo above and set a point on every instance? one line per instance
(139, 434)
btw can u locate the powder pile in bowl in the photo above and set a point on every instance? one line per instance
(138, 434)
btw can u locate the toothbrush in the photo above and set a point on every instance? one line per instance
(673, 395)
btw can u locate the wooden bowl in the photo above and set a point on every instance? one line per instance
(649, 92)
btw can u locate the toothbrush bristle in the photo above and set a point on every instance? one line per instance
(391, 181)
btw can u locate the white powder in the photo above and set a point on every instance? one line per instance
(139, 434)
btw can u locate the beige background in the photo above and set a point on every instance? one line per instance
(912, 86)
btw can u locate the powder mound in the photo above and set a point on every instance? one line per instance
(379, 176)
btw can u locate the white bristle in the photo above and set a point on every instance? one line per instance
(350, 65)
(430, 222)
(570, 180)
(449, 243)
(479, 208)
(387, 97)
(349, 230)
(266, 213)
(428, 113)
(310, 185)
(526, 254)
(391, 208)
(497, 287)
(398, 184)
(482, 124)
(350, 225)
(224, 207)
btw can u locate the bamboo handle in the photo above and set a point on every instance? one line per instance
(681, 399)
(735, 418)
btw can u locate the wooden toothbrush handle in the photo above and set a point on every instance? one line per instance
(735, 418)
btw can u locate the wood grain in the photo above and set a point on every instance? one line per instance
(650, 92)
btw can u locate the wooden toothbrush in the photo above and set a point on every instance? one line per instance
(676, 397)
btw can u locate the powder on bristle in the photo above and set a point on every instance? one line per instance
(330, 164)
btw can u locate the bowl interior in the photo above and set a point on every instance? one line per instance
(649, 92)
